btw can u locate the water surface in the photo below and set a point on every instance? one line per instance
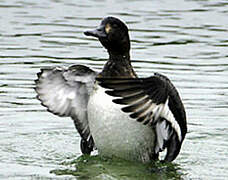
(184, 40)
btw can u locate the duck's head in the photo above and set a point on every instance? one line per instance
(113, 35)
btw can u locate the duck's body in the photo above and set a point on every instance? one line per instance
(114, 110)
(115, 133)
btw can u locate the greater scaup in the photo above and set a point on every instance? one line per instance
(114, 110)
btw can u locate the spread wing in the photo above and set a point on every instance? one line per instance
(65, 92)
(153, 101)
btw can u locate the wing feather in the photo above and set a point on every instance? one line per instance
(65, 92)
(152, 101)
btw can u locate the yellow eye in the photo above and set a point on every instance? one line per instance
(108, 28)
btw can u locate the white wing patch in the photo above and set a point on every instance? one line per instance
(162, 135)
(158, 111)
(163, 132)
(168, 115)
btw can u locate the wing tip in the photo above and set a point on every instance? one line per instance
(39, 73)
(173, 148)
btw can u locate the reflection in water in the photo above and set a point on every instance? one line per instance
(188, 43)
(104, 168)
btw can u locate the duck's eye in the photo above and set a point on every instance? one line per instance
(107, 28)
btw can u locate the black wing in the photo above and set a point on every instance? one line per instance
(152, 101)
(65, 92)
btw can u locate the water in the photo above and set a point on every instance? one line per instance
(185, 40)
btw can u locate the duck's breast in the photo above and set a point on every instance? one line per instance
(115, 133)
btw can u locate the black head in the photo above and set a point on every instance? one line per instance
(113, 35)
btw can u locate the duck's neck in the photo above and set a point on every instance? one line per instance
(118, 65)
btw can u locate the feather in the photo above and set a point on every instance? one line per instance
(65, 92)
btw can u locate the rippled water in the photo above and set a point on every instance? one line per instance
(185, 40)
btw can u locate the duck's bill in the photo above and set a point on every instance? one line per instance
(98, 32)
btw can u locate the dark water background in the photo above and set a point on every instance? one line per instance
(187, 40)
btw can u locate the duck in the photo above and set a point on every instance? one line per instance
(115, 112)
